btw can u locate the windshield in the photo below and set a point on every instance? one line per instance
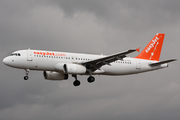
(15, 54)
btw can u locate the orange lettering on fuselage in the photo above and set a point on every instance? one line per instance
(48, 53)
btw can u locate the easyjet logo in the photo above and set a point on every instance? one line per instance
(49, 53)
(152, 44)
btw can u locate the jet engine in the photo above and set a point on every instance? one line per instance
(50, 75)
(70, 68)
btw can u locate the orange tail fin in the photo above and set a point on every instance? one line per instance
(153, 50)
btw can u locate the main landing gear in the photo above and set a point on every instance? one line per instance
(27, 73)
(76, 82)
(90, 79)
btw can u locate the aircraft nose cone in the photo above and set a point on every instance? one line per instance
(5, 61)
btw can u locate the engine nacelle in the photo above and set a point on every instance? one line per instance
(74, 68)
(70, 68)
(50, 75)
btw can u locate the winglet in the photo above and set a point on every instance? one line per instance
(138, 49)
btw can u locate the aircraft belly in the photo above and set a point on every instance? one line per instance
(119, 69)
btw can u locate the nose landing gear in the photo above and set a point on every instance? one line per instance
(27, 73)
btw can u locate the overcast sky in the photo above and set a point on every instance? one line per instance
(89, 26)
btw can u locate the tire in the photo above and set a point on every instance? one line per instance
(26, 77)
(91, 79)
(76, 83)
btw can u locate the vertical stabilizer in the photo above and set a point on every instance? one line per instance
(153, 50)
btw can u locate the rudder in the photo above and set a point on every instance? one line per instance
(153, 50)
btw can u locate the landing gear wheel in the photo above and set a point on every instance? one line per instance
(91, 79)
(26, 77)
(27, 72)
(76, 83)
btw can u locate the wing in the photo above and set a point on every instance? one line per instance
(97, 63)
(161, 62)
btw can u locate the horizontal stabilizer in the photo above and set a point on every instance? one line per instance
(162, 62)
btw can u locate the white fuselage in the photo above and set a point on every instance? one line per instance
(47, 60)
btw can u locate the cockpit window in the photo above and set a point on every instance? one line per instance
(15, 54)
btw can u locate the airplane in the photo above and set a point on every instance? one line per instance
(57, 66)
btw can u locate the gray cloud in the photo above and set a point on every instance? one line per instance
(89, 27)
(126, 14)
